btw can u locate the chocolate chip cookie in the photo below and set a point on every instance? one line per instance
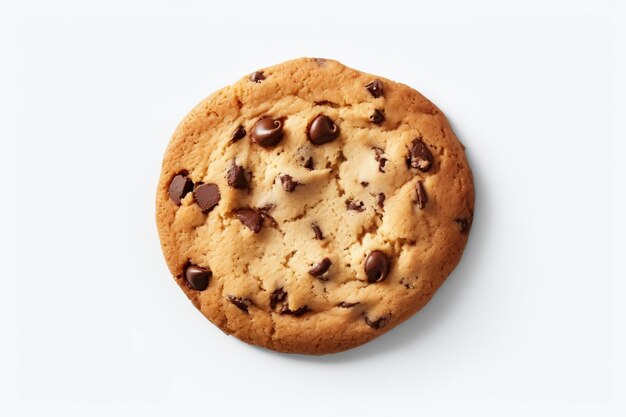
(311, 207)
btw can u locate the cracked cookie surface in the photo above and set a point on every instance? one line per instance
(311, 207)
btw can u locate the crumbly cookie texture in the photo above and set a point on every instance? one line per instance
(311, 207)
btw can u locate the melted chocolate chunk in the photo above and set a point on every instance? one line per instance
(309, 163)
(265, 213)
(322, 130)
(179, 187)
(381, 161)
(288, 183)
(375, 88)
(364, 184)
(419, 156)
(236, 177)
(278, 296)
(377, 117)
(197, 277)
(346, 304)
(377, 324)
(238, 134)
(352, 205)
(241, 302)
(420, 195)
(376, 266)
(207, 196)
(257, 76)
(298, 312)
(250, 218)
(465, 224)
(269, 219)
(320, 268)
(381, 200)
(267, 131)
(318, 231)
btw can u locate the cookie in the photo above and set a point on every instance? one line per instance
(310, 207)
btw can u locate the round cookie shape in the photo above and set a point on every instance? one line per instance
(310, 207)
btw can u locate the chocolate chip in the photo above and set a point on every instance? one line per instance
(257, 76)
(320, 268)
(309, 163)
(375, 88)
(419, 156)
(377, 324)
(352, 205)
(377, 117)
(381, 161)
(207, 196)
(320, 61)
(269, 219)
(318, 231)
(376, 266)
(265, 213)
(465, 224)
(236, 177)
(381, 200)
(346, 304)
(288, 183)
(298, 312)
(250, 218)
(278, 296)
(267, 131)
(420, 195)
(364, 184)
(322, 130)
(241, 303)
(197, 277)
(179, 187)
(238, 134)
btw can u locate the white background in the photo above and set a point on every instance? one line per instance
(531, 323)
